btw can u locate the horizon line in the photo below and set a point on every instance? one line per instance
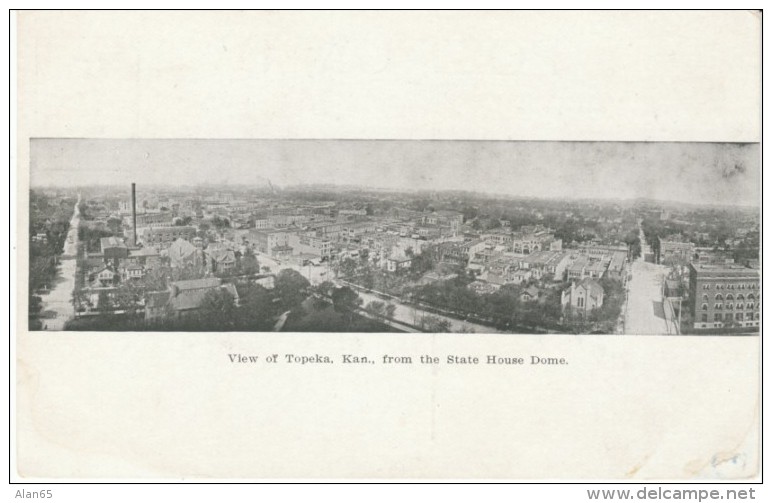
(242, 186)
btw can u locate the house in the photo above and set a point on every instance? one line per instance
(530, 294)
(583, 296)
(106, 276)
(182, 253)
(132, 272)
(184, 297)
(92, 264)
(220, 258)
(148, 257)
(520, 276)
(394, 264)
(482, 287)
(494, 280)
(113, 249)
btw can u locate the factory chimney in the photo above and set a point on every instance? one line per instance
(134, 211)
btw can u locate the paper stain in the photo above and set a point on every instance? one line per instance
(734, 455)
(635, 469)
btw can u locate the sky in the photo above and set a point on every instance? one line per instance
(697, 173)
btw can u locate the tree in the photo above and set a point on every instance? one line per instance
(348, 267)
(114, 224)
(189, 271)
(220, 223)
(256, 309)
(218, 310)
(470, 213)
(504, 306)
(421, 263)
(576, 321)
(156, 279)
(376, 309)
(203, 229)
(104, 302)
(434, 324)
(390, 310)
(325, 288)
(247, 264)
(291, 287)
(345, 300)
(126, 297)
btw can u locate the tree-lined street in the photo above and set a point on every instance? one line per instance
(57, 305)
(645, 310)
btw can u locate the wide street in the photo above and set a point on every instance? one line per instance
(645, 313)
(57, 302)
(412, 316)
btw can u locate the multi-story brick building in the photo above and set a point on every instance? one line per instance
(165, 236)
(724, 296)
(309, 244)
(270, 241)
(156, 219)
(675, 249)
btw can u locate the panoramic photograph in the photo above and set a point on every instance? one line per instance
(432, 236)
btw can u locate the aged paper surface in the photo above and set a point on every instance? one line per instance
(171, 405)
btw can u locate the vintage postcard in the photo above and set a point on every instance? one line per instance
(388, 245)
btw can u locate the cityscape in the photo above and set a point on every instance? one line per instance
(460, 237)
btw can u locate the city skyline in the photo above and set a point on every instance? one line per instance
(694, 173)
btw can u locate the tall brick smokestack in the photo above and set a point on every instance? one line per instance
(134, 210)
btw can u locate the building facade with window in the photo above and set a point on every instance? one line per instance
(165, 236)
(583, 296)
(674, 249)
(724, 296)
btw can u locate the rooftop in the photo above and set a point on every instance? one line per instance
(178, 228)
(112, 242)
(193, 284)
(725, 268)
(147, 251)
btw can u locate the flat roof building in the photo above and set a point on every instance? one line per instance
(724, 296)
